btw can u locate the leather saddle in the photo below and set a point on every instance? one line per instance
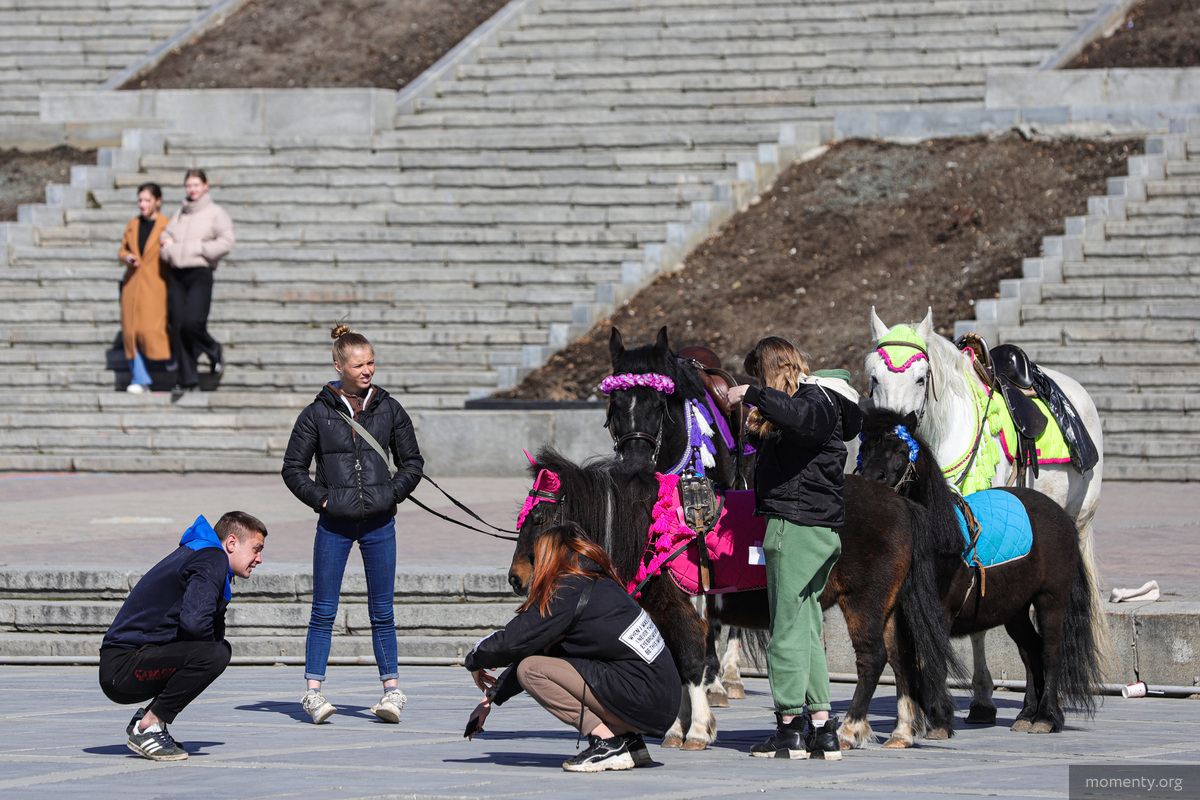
(1009, 369)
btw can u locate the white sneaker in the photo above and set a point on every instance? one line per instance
(137, 388)
(388, 708)
(317, 706)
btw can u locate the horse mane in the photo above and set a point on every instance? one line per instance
(949, 368)
(605, 498)
(640, 360)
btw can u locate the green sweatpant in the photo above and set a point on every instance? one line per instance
(799, 559)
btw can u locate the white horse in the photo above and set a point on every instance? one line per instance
(937, 387)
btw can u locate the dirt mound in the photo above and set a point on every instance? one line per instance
(23, 176)
(280, 44)
(899, 227)
(1155, 33)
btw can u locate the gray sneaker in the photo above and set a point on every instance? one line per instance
(388, 708)
(317, 706)
(156, 744)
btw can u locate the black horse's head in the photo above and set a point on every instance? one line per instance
(888, 451)
(645, 401)
(611, 503)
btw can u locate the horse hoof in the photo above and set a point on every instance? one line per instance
(1041, 727)
(1022, 726)
(897, 744)
(672, 742)
(718, 700)
(981, 716)
(938, 733)
(695, 744)
(735, 691)
(845, 744)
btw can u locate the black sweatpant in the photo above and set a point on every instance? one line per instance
(173, 675)
(189, 297)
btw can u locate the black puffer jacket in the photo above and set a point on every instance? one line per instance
(352, 480)
(637, 681)
(800, 467)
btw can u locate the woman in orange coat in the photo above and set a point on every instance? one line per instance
(144, 296)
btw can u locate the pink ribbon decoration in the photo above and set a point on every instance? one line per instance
(628, 380)
(667, 532)
(546, 481)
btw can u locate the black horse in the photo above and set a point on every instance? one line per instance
(1060, 655)
(614, 503)
(649, 426)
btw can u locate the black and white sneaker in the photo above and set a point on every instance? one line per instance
(636, 746)
(137, 717)
(823, 742)
(156, 744)
(601, 755)
(786, 742)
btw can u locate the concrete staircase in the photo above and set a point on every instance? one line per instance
(62, 614)
(583, 152)
(1115, 303)
(52, 46)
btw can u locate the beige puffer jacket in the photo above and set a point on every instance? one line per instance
(203, 234)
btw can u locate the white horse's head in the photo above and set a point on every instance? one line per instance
(911, 368)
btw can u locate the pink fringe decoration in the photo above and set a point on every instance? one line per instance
(887, 360)
(667, 531)
(616, 383)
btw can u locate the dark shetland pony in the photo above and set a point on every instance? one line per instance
(614, 504)
(1060, 655)
(650, 427)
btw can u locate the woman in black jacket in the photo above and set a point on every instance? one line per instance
(586, 652)
(799, 429)
(356, 498)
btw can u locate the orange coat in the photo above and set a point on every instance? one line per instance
(144, 298)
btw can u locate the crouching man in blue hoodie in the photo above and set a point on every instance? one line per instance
(167, 643)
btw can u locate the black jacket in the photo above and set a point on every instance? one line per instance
(350, 474)
(181, 599)
(643, 693)
(800, 467)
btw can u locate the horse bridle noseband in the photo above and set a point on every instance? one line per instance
(632, 436)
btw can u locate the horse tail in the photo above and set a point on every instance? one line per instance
(924, 621)
(1089, 576)
(1082, 670)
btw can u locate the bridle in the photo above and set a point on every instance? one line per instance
(910, 470)
(921, 353)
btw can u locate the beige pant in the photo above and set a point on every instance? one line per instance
(560, 689)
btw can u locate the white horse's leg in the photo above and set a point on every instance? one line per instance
(983, 710)
(731, 667)
(703, 730)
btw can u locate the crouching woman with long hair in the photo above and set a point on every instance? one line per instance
(586, 652)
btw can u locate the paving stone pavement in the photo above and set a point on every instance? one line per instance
(248, 738)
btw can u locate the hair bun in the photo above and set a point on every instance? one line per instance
(339, 330)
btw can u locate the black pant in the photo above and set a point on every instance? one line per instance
(173, 675)
(189, 296)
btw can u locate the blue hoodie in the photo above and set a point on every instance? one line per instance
(182, 598)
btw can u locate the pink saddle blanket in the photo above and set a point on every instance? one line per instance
(734, 546)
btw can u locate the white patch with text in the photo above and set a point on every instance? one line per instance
(643, 638)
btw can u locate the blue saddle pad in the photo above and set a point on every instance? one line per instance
(1004, 524)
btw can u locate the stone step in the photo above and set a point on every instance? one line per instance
(408, 381)
(1166, 246)
(190, 406)
(1120, 290)
(1161, 355)
(1158, 207)
(1130, 268)
(1160, 311)
(1152, 228)
(1077, 334)
(1154, 380)
(1120, 426)
(1133, 404)
(1159, 469)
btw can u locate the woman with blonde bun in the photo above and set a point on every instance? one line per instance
(356, 497)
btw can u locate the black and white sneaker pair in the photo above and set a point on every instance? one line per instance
(800, 739)
(155, 742)
(625, 751)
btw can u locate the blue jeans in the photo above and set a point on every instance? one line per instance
(137, 368)
(331, 547)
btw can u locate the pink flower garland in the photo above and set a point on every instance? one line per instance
(667, 532)
(628, 380)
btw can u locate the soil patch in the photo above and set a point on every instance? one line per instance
(1155, 33)
(900, 227)
(280, 44)
(23, 176)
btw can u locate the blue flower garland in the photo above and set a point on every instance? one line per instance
(902, 432)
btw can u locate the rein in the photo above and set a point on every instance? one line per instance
(507, 535)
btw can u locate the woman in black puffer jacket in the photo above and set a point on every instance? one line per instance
(356, 499)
